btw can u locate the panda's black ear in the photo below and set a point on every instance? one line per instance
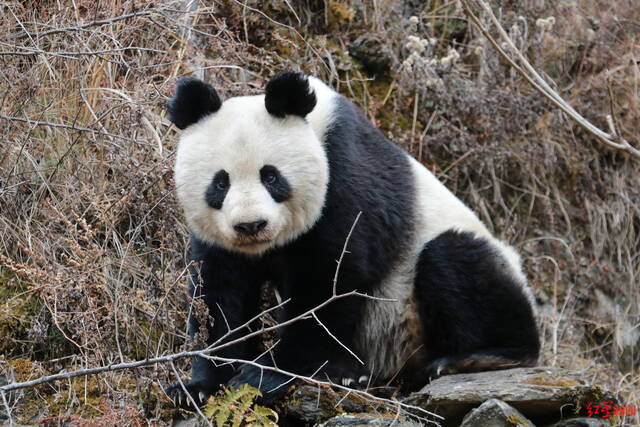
(193, 100)
(289, 93)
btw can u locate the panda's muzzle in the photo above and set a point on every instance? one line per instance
(250, 228)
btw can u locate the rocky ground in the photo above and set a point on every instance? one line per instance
(543, 396)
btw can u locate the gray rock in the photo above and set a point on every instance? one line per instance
(542, 394)
(583, 422)
(189, 422)
(495, 413)
(372, 52)
(361, 420)
(311, 404)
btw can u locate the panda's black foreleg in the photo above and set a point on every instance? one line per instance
(313, 346)
(323, 345)
(226, 293)
(475, 313)
(305, 349)
(271, 384)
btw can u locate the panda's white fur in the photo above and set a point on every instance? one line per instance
(220, 141)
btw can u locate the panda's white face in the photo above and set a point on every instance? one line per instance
(249, 181)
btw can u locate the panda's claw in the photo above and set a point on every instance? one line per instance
(188, 395)
(438, 368)
(347, 381)
(363, 380)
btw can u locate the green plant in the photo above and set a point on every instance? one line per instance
(237, 407)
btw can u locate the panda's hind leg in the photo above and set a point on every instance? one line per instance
(475, 312)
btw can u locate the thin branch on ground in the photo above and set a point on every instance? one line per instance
(312, 380)
(219, 344)
(175, 356)
(205, 353)
(612, 140)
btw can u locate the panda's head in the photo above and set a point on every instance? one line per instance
(251, 174)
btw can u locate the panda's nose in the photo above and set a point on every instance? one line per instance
(250, 228)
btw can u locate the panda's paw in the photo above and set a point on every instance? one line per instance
(439, 367)
(271, 384)
(196, 394)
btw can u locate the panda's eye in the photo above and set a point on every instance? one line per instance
(276, 184)
(269, 178)
(217, 189)
(221, 180)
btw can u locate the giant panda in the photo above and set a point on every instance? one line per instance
(271, 187)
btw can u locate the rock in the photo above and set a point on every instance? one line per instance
(372, 52)
(189, 422)
(542, 394)
(311, 404)
(582, 422)
(495, 413)
(364, 420)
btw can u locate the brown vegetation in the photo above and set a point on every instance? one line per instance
(92, 242)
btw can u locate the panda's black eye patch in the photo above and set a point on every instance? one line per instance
(276, 184)
(217, 189)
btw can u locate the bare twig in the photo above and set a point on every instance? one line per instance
(310, 379)
(6, 407)
(289, 27)
(344, 251)
(336, 339)
(540, 84)
(302, 316)
(72, 54)
(186, 393)
(175, 356)
(63, 126)
(79, 27)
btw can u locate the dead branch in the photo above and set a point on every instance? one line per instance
(312, 380)
(613, 139)
(175, 356)
(63, 126)
(74, 54)
(79, 27)
(336, 339)
(189, 397)
(6, 407)
(218, 345)
(344, 251)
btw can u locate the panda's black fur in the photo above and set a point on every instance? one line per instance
(196, 100)
(474, 315)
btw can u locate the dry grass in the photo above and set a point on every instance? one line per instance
(92, 243)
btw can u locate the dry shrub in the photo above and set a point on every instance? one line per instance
(92, 243)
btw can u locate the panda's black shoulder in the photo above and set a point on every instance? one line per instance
(354, 143)
(371, 176)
